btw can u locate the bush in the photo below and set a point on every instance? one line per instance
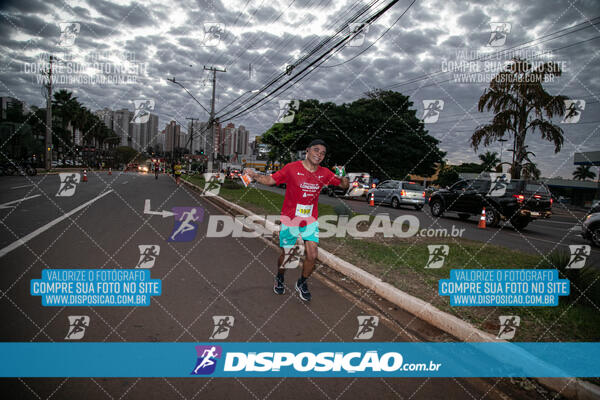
(585, 282)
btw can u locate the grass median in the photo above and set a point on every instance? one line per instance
(401, 262)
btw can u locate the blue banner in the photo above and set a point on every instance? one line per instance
(95, 287)
(224, 359)
(504, 287)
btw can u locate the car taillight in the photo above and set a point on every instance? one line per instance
(373, 185)
(423, 194)
(354, 184)
(551, 201)
(537, 196)
(520, 198)
(402, 193)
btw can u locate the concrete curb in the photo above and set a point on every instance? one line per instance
(572, 388)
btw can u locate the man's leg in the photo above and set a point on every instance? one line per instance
(310, 258)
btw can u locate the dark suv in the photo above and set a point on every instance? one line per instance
(522, 201)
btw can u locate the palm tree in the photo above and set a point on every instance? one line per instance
(530, 171)
(489, 160)
(582, 172)
(521, 105)
(65, 108)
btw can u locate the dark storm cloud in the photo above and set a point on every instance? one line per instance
(414, 47)
(24, 6)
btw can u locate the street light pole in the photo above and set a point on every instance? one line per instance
(192, 134)
(48, 152)
(212, 112)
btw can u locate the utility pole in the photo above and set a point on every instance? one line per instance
(212, 114)
(48, 151)
(192, 135)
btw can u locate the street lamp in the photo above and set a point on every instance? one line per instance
(237, 98)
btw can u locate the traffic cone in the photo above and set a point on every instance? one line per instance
(482, 219)
(84, 176)
(372, 200)
(110, 171)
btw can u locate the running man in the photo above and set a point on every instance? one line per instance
(177, 172)
(304, 180)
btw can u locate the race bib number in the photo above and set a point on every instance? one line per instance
(303, 210)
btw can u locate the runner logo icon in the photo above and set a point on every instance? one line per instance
(499, 184)
(142, 110)
(223, 324)
(431, 110)
(573, 109)
(68, 183)
(499, 33)
(186, 223)
(148, 254)
(366, 326)
(68, 33)
(287, 111)
(77, 326)
(437, 255)
(508, 326)
(207, 359)
(579, 254)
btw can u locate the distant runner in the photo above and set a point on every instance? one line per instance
(156, 169)
(304, 180)
(177, 172)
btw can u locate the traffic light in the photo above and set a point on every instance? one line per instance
(201, 152)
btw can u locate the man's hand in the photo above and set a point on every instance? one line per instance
(260, 178)
(345, 183)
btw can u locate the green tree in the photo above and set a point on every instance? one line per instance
(521, 106)
(379, 134)
(489, 160)
(447, 176)
(583, 172)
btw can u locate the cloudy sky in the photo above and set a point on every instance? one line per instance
(126, 50)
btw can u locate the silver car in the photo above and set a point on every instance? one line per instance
(591, 225)
(398, 193)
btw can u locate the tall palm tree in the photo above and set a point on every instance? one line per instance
(582, 172)
(65, 108)
(521, 105)
(489, 160)
(530, 171)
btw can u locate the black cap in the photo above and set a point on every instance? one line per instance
(316, 142)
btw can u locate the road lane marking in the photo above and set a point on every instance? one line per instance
(28, 237)
(8, 205)
(19, 187)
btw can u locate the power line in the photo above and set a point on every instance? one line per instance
(307, 68)
(376, 40)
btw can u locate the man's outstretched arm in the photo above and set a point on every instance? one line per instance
(260, 178)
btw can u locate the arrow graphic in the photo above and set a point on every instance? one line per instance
(164, 213)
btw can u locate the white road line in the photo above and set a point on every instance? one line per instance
(49, 225)
(6, 205)
(19, 187)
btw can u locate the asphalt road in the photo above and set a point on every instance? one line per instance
(201, 279)
(540, 237)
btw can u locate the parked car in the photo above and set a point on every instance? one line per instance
(522, 202)
(359, 186)
(590, 228)
(399, 193)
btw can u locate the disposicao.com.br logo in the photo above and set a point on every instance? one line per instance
(290, 364)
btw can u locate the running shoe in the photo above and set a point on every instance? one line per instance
(302, 289)
(279, 288)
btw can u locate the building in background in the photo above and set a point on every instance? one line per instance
(6, 102)
(137, 136)
(173, 137)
